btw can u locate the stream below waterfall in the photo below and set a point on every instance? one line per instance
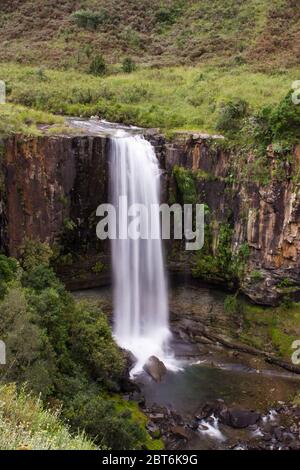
(209, 373)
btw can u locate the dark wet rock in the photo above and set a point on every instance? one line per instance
(138, 397)
(155, 368)
(127, 386)
(296, 411)
(181, 432)
(210, 408)
(239, 418)
(155, 417)
(130, 359)
(267, 437)
(278, 433)
(194, 425)
(295, 445)
(288, 437)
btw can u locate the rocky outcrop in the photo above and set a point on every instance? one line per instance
(50, 188)
(264, 216)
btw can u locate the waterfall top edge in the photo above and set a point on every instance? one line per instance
(102, 128)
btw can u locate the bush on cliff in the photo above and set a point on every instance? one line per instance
(279, 124)
(231, 115)
(222, 263)
(186, 183)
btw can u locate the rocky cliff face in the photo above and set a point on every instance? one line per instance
(50, 188)
(264, 217)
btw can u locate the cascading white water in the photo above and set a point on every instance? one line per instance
(140, 290)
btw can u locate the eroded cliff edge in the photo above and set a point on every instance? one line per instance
(50, 188)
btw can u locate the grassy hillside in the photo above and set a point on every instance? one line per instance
(169, 98)
(26, 425)
(153, 32)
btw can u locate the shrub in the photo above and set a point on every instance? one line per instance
(92, 345)
(8, 270)
(168, 16)
(41, 277)
(278, 124)
(30, 356)
(35, 253)
(98, 268)
(231, 304)
(107, 426)
(186, 184)
(64, 351)
(90, 19)
(231, 115)
(256, 276)
(128, 65)
(222, 264)
(98, 66)
(131, 37)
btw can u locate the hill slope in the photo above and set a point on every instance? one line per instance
(164, 32)
(26, 425)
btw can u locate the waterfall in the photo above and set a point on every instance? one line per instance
(140, 289)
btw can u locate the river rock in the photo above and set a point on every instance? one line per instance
(239, 418)
(211, 408)
(155, 368)
(180, 431)
(125, 383)
(157, 417)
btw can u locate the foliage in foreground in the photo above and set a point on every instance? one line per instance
(26, 425)
(63, 351)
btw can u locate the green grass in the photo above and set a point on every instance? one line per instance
(138, 417)
(26, 425)
(15, 119)
(271, 329)
(182, 98)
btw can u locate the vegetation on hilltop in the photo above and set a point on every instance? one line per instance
(158, 32)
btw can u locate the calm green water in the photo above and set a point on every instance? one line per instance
(187, 391)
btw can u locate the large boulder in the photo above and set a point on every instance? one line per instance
(155, 368)
(239, 418)
(125, 383)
